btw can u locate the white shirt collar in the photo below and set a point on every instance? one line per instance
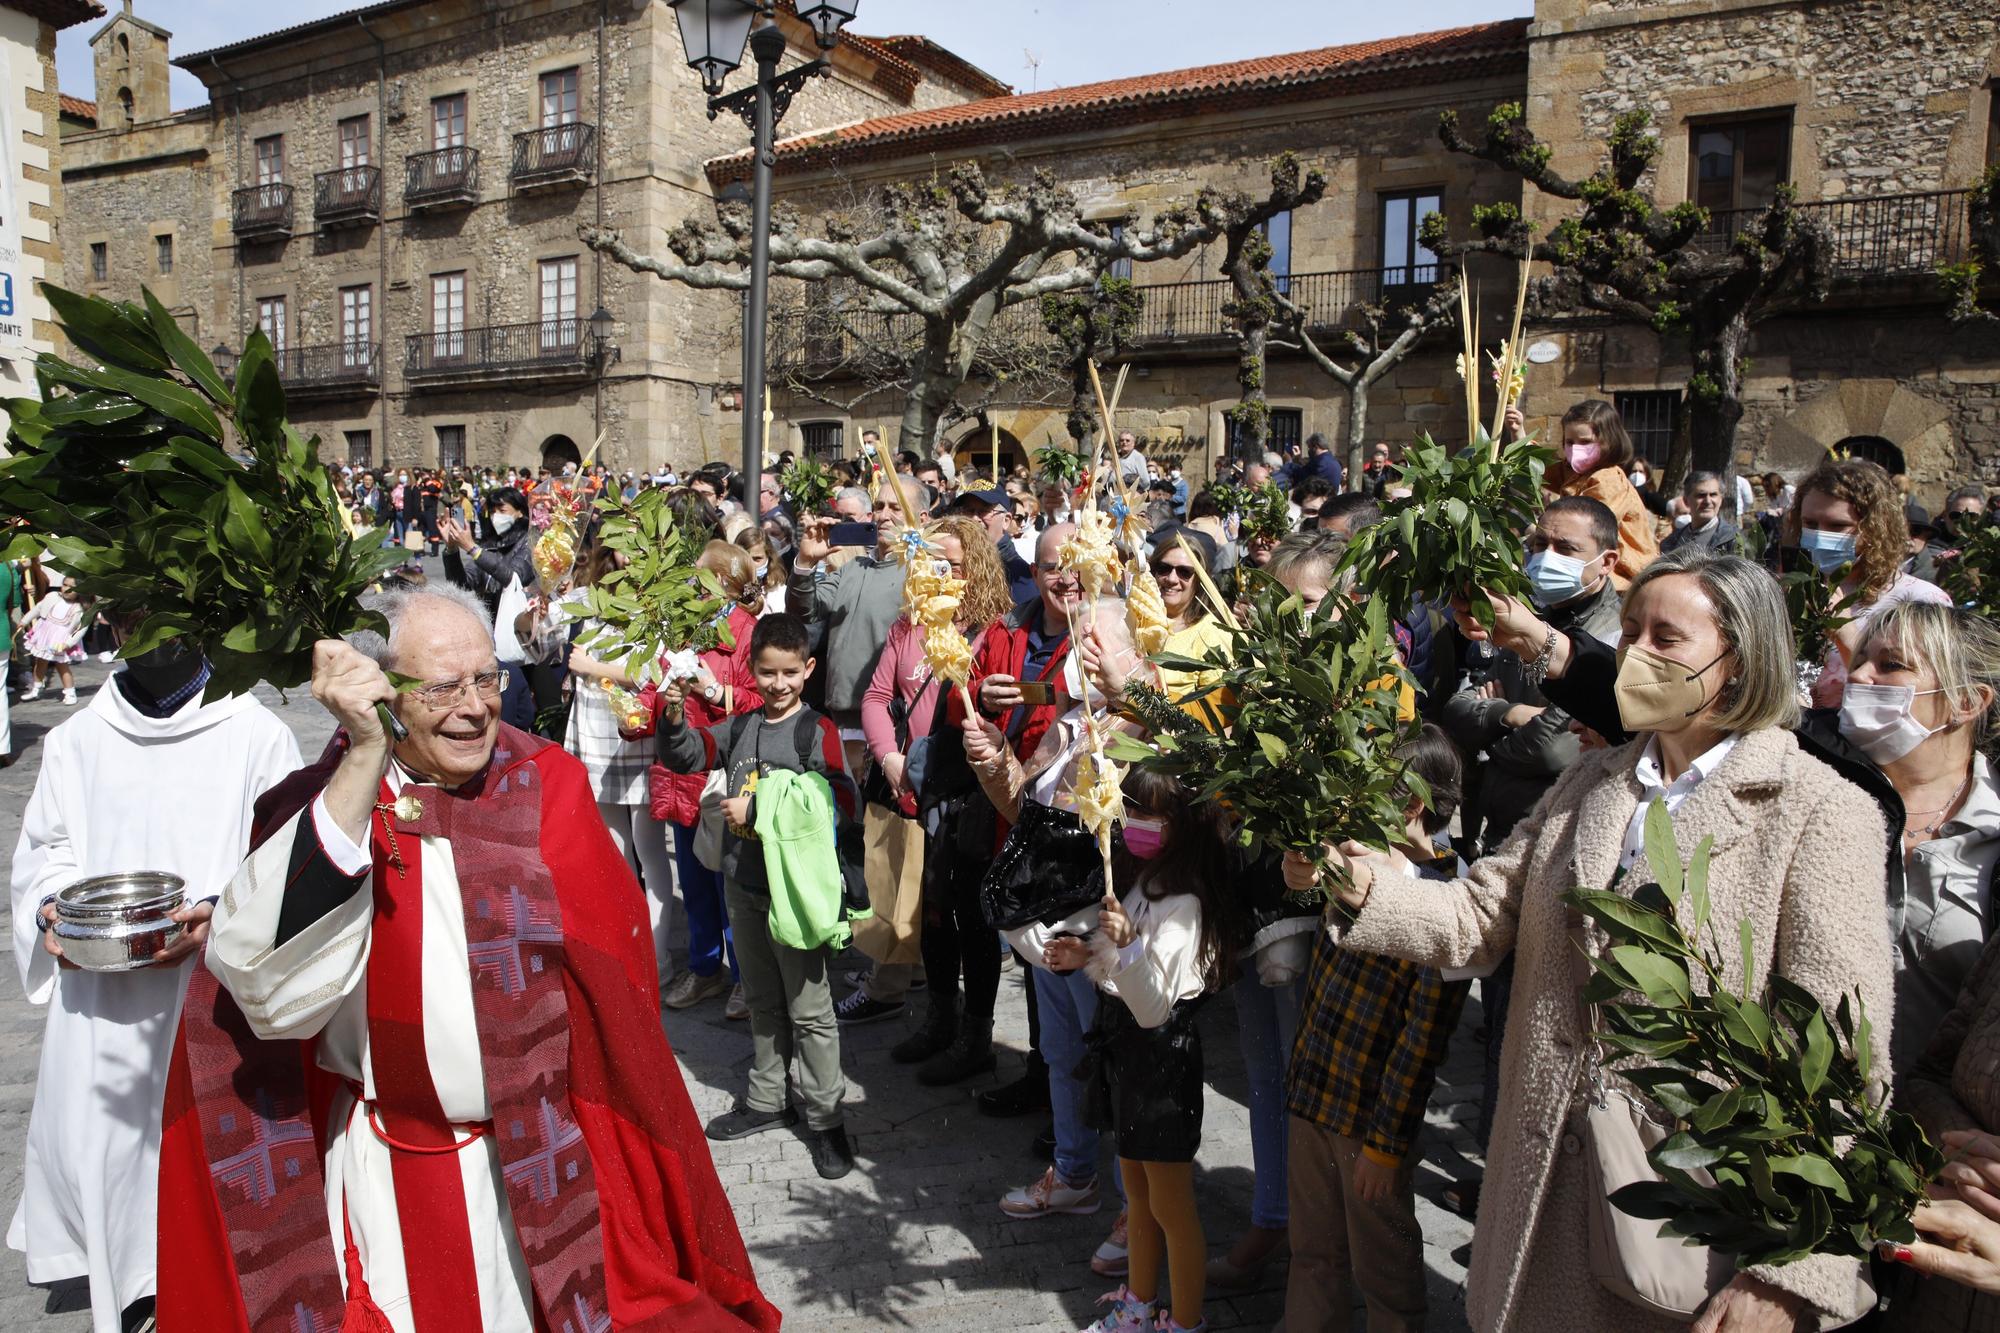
(1653, 780)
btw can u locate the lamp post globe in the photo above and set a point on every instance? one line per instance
(827, 18)
(713, 32)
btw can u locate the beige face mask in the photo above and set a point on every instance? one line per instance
(1655, 693)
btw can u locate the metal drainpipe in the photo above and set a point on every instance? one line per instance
(381, 237)
(235, 246)
(596, 259)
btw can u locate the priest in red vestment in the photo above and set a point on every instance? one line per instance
(420, 1083)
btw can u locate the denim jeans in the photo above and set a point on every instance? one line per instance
(708, 918)
(1267, 1019)
(1068, 1004)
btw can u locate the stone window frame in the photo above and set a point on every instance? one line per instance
(289, 331)
(95, 245)
(1992, 91)
(1378, 255)
(1373, 181)
(284, 175)
(347, 433)
(1686, 107)
(456, 87)
(163, 254)
(1694, 125)
(464, 430)
(589, 106)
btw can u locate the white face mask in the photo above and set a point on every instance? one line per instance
(501, 523)
(1877, 718)
(760, 570)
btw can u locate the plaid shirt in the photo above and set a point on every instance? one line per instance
(1374, 1031)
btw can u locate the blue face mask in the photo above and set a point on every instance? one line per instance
(1555, 577)
(1827, 550)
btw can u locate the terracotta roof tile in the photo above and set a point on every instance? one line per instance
(1453, 52)
(927, 54)
(76, 106)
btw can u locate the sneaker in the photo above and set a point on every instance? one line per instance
(741, 1121)
(854, 976)
(30, 694)
(832, 1155)
(1128, 1314)
(69, 696)
(107, 657)
(1048, 1196)
(690, 990)
(1165, 1324)
(738, 1008)
(1112, 1257)
(856, 1008)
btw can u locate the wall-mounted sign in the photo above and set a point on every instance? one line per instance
(1545, 351)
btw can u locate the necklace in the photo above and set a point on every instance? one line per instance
(1925, 831)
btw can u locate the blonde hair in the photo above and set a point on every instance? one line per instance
(987, 596)
(749, 539)
(1961, 650)
(1750, 614)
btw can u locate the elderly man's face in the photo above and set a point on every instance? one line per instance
(443, 646)
(1061, 590)
(851, 508)
(1126, 443)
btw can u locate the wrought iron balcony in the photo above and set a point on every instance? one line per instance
(1875, 237)
(554, 155)
(348, 197)
(262, 212)
(550, 349)
(331, 371)
(1190, 311)
(442, 178)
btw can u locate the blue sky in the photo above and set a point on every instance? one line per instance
(1075, 41)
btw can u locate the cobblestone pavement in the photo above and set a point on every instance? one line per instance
(913, 1238)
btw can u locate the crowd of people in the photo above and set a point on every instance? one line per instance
(811, 763)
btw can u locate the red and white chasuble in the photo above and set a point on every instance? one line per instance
(423, 1085)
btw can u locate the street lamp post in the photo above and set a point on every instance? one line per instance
(714, 33)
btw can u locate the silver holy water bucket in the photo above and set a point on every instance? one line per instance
(116, 923)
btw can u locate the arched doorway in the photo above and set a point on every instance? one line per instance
(975, 448)
(558, 450)
(1873, 449)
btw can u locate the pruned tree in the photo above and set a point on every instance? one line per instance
(955, 254)
(1264, 317)
(1623, 255)
(1090, 326)
(1962, 280)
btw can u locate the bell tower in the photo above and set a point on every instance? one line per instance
(130, 57)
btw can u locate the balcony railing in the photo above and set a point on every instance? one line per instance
(550, 348)
(1882, 236)
(442, 178)
(336, 368)
(262, 212)
(554, 155)
(348, 197)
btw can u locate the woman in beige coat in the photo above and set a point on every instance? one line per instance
(1706, 672)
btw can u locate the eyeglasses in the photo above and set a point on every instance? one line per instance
(1163, 570)
(446, 694)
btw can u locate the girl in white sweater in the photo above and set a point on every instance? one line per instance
(1155, 954)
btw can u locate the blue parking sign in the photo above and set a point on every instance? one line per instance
(6, 294)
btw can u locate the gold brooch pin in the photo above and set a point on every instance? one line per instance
(408, 808)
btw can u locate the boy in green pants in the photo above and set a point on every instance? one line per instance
(791, 1009)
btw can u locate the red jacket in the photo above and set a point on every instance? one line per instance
(676, 797)
(1002, 653)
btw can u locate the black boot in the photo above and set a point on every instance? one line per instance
(832, 1155)
(940, 1026)
(971, 1052)
(1024, 1095)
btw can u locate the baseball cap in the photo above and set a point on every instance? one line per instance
(994, 497)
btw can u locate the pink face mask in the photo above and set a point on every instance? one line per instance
(1143, 838)
(1583, 457)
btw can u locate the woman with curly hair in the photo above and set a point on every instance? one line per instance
(1848, 521)
(935, 914)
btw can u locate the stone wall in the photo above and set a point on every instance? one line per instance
(125, 189)
(29, 45)
(129, 59)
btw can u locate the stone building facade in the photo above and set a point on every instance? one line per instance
(31, 190)
(394, 196)
(1883, 116)
(1365, 115)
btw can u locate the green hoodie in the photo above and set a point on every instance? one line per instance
(795, 816)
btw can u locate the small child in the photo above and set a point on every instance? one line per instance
(1155, 954)
(55, 639)
(1374, 1032)
(790, 1005)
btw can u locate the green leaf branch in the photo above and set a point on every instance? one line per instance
(657, 601)
(1786, 1146)
(166, 490)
